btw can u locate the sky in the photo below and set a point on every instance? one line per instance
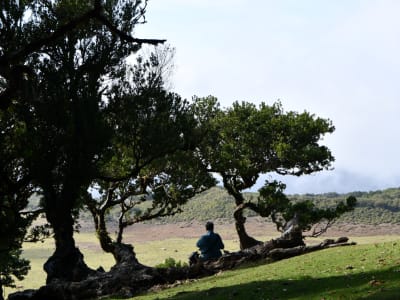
(336, 59)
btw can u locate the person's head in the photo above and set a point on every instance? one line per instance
(210, 226)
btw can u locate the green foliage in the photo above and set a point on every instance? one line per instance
(272, 201)
(171, 263)
(12, 266)
(248, 141)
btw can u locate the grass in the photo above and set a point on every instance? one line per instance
(370, 271)
(149, 253)
(155, 252)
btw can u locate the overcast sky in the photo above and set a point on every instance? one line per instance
(337, 59)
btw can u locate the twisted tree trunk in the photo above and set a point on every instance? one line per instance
(66, 263)
(245, 240)
(122, 253)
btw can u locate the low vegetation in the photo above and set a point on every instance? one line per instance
(172, 263)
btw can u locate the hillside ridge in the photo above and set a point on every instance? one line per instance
(374, 207)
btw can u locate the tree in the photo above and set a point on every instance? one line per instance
(53, 68)
(151, 156)
(246, 141)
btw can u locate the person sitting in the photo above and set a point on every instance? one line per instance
(210, 244)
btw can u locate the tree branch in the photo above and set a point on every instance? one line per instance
(124, 36)
(138, 166)
(33, 213)
(160, 213)
(7, 60)
(317, 231)
(59, 32)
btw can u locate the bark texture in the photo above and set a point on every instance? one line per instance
(245, 240)
(66, 263)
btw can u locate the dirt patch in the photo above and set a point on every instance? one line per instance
(364, 230)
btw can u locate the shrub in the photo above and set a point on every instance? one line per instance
(171, 263)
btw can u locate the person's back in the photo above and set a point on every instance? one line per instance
(210, 244)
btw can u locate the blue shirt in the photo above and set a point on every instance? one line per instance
(210, 245)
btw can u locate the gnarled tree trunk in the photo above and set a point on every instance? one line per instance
(293, 233)
(66, 263)
(122, 253)
(245, 240)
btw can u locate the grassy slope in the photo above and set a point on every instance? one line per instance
(155, 252)
(375, 207)
(358, 272)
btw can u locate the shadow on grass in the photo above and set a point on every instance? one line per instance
(383, 284)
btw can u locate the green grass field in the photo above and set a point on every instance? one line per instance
(341, 273)
(370, 271)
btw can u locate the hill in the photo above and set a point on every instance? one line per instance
(373, 208)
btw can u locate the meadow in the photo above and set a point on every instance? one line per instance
(374, 257)
(369, 271)
(150, 253)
